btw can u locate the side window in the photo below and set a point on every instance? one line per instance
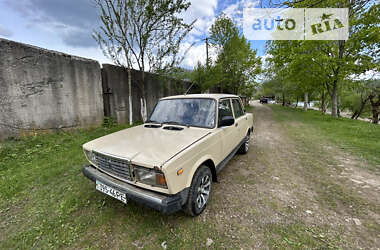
(224, 109)
(238, 110)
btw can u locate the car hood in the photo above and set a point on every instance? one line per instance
(147, 146)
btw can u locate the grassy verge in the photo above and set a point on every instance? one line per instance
(357, 137)
(248, 108)
(324, 147)
(46, 202)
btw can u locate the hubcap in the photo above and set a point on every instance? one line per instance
(203, 191)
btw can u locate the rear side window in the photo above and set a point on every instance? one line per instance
(224, 109)
(238, 110)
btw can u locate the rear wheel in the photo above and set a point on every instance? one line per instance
(245, 146)
(199, 193)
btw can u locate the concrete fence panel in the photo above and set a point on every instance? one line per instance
(116, 91)
(42, 90)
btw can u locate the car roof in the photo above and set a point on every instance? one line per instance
(213, 96)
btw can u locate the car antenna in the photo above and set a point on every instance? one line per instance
(189, 88)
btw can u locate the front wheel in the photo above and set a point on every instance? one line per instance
(199, 193)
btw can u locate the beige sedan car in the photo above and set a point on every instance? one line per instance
(170, 162)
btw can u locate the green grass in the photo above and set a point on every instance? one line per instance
(46, 202)
(301, 236)
(248, 108)
(357, 137)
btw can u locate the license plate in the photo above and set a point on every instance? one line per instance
(111, 192)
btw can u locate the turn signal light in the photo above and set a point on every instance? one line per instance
(160, 179)
(179, 172)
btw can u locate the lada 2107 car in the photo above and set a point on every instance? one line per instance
(170, 162)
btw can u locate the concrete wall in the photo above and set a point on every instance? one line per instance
(41, 89)
(47, 90)
(115, 87)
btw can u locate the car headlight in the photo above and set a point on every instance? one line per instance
(90, 156)
(150, 176)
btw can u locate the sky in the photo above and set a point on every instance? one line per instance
(67, 25)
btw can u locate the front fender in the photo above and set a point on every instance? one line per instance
(197, 165)
(189, 160)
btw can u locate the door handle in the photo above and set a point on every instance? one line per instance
(236, 124)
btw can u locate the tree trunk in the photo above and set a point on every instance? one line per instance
(296, 103)
(130, 96)
(355, 115)
(334, 100)
(283, 98)
(375, 108)
(322, 101)
(143, 108)
(375, 116)
(359, 112)
(334, 95)
(338, 107)
(305, 101)
(323, 104)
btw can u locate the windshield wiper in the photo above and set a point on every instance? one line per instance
(172, 123)
(176, 123)
(152, 121)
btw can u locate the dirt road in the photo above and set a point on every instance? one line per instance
(290, 192)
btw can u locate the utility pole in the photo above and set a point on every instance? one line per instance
(207, 66)
(207, 52)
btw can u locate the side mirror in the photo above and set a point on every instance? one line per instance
(226, 121)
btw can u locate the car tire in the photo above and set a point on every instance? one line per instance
(200, 191)
(245, 146)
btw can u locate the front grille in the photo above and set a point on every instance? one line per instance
(114, 166)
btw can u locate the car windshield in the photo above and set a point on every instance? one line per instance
(198, 112)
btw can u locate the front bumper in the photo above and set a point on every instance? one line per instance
(161, 202)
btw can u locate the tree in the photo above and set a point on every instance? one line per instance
(199, 75)
(222, 31)
(374, 99)
(146, 34)
(335, 61)
(278, 70)
(237, 64)
(355, 97)
(273, 87)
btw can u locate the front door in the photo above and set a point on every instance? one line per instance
(228, 133)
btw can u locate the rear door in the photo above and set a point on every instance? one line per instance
(240, 120)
